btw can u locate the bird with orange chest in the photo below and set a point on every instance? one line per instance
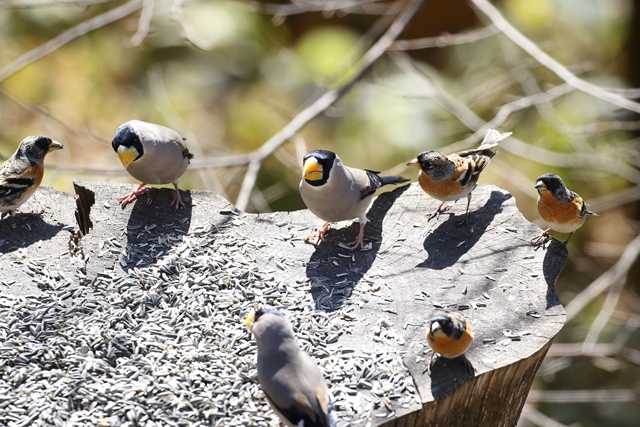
(450, 335)
(561, 209)
(21, 174)
(452, 177)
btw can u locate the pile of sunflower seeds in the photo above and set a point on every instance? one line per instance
(165, 345)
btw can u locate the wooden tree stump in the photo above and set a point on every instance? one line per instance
(486, 269)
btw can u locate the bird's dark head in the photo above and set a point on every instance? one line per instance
(126, 143)
(433, 163)
(317, 166)
(449, 324)
(36, 147)
(552, 183)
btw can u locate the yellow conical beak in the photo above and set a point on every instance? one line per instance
(312, 170)
(248, 322)
(55, 145)
(127, 155)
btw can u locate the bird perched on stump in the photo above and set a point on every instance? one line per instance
(152, 154)
(561, 209)
(335, 192)
(450, 335)
(21, 174)
(290, 379)
(449, 178)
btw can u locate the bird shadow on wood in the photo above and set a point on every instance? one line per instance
(449, 374)
(443, 245)
(23, 230)
(154, 227)
(330, 291)
(555, 258)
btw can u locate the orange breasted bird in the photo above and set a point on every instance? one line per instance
(21, 174)
(449, 178)
(561, 209)
(449, 334)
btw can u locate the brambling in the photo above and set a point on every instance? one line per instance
(22, 173)
(290, 379)
(334, 192)
(561, 209)
(449, 178)
(152, 154)
(450, 335)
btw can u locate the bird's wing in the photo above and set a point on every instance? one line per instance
(15, 178)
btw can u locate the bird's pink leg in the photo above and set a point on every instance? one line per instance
(318, 236)
(177, 200)
(466, 215)
(438, 211)
(542, 239)
(128, 198)
(359, 239)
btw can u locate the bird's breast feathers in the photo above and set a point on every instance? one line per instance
(563, 217)
(446, 190)
(161, 163)
(336, 200)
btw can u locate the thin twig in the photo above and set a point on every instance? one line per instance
(69, 35)
(583, 396)
(326, 100)
(188, 32)
(538, 418)
(446, 39)
(144, 23)
(362, 7)
(32, 4)
(614, 275)
(560, 70)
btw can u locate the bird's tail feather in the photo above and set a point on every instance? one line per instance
(492, 137)
(392, 179)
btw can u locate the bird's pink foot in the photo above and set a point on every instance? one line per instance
(541, 240)
(177, 200)
(359, 242)
(318, 236)
(438, 211)
(133, 196)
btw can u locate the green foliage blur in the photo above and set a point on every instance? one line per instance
(258, 70)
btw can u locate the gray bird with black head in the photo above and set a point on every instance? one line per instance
(290, 379)
(335, 192)
(152, 154)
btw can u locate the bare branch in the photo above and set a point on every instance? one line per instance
(69, 35)
(446, 39)
(538, 418)
(583, 396)
(362, 7)
(32, 4)
(560, 70)
(615, 274)
(326, 100)
(144, 22)
(187, 30)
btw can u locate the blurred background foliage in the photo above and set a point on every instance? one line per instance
(228, 75)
